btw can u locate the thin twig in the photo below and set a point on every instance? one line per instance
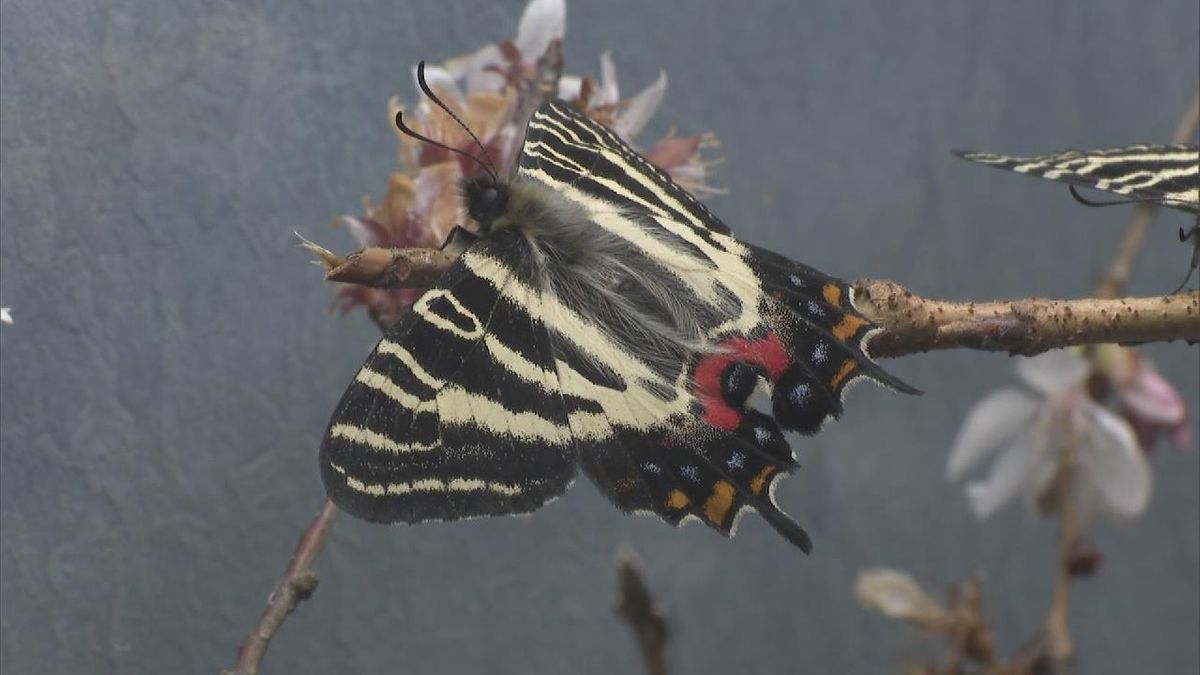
(1054, 647)
(637, 607)
(1027, 326)
(1059, 647)
(297, 584)
(390, 267)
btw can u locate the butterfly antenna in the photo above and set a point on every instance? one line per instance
(1193, 231)
(490, 167)
(1091, 202)
(404, 128)
(1184, 236)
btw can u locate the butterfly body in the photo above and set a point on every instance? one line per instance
(603, 319)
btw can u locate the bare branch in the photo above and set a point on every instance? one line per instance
(1027, 326)
(390, 268)
(911, 323)
(297, 584)
(637, 607)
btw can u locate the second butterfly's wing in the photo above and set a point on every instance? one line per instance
(681, 437)
(1164, 174)
(456, 413)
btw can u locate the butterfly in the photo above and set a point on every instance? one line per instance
(1168, 175)
(600, 319)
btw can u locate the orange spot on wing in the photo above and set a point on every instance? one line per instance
(676, 500)
(717, 505)
(832, 293)
(848, 367)
(847, 327)
(757, 483)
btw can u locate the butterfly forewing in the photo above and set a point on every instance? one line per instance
(453, 415)
(1164, 174)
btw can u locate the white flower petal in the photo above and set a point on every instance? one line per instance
(1150, 397)
(481, 70)
(895, 594)
(362, 233)
(608, 93)
(994, 420)
(440, 80)
(641, 108)
(1112, 466)
(461, 66)
(6, 315)
(1054, 371)
(542, 22)
(569, 87)
(1010, 474)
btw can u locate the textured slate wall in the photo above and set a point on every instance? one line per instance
(172, 365)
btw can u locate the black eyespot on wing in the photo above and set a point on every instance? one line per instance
(738, 382)
(801, 402)
(677, 474)
(763, 433)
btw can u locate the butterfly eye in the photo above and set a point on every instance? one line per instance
(489, 197)
(485, 201)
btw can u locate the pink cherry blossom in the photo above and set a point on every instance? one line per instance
(483, 88)
(1026, 429)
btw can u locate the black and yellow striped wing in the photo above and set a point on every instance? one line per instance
(1164, 174)
(456, 413)
(604, 319)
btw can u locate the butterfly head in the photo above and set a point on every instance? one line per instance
(486, 196)
(486, 199)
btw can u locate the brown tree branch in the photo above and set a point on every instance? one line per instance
(1027, 326)
(387, 267)
(297, 584)
(1054, 648)
(1060, 648)
(911, 323)
(637, 607)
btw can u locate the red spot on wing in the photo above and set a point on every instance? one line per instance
(767, 352)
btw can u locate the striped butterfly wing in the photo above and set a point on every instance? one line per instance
(1165, 174)
(444, 420)
(683, 440)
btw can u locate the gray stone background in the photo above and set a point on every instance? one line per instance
(172, 365)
